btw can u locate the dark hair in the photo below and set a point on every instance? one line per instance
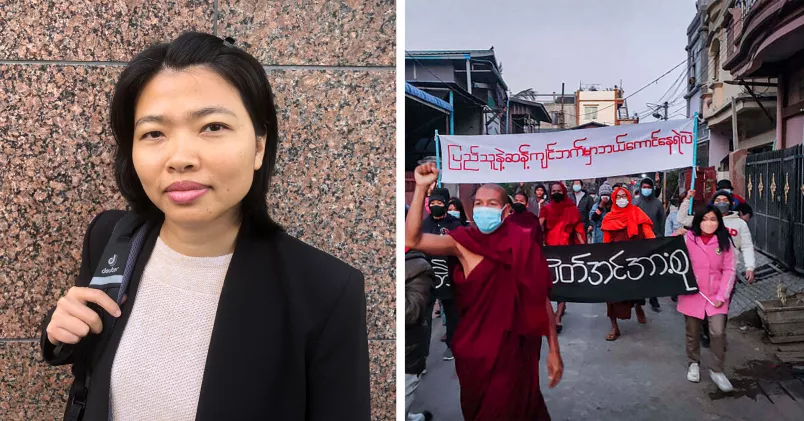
(722, 234)
(539, 186)
(234, 65)
(724, 184)
(454, 201)
(745, 209)
(521, 192)
(580, 181)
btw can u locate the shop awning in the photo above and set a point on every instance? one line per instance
(420, 96)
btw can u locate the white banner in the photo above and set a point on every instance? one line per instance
(569, 154)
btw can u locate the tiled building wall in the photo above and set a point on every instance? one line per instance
(331, 64)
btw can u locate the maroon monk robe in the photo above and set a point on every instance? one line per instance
(528, 220)
(503, 318)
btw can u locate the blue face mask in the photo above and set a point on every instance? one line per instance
(455, 214)
(646, 192)
(487, 219)
(576, 188)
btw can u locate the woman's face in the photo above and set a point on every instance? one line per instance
(452, 207)
(192, 128)
(709, 223)
(540, 193)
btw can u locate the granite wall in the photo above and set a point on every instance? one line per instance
(331, 64)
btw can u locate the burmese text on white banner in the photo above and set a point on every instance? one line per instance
(569, 154)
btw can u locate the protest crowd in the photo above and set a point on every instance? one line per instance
(489, 282)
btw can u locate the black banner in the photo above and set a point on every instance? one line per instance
(624, 271)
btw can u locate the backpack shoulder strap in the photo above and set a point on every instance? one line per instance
(111, 275)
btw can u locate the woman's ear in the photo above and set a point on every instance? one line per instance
(258, 157)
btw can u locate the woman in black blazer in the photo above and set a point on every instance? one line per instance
(227, 312)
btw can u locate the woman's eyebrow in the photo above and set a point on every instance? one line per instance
(203, 112)
(193, 115)
(150, 119)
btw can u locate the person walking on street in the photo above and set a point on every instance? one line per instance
(539, 199)
(738, 229)
(599, 211)
(563, 226)
(625, 222)
(671, 225)
(504, 285)
(584, 202)
(524, 218)
(456, 209)
(652, 207)
(419, 281)
(441, 223)
(712, 259)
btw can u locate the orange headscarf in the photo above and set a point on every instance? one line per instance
(629, 217)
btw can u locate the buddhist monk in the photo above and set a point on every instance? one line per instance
(625, 222)
(502, 284)
(563, 226)
(521, 216)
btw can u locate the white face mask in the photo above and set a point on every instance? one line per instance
(622, 202)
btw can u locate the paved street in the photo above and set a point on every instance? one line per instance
(641, 376)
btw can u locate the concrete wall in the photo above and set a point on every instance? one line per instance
(604, 100)
(58, 63)
(430, 71)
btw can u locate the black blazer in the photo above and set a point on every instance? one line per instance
(289, 340)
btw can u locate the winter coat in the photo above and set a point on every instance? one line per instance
(741, 238)
(738, 229)
(419, 280)
(714, 272)
(671, 225)
(584, 206)
(596, 221)
(655, 211)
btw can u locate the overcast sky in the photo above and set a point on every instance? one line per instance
(542, 43)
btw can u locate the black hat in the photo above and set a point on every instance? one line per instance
(724, 185)
(440, 194)
(647, 180)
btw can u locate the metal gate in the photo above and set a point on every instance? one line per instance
(775, 189)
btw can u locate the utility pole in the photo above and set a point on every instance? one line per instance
(561, 116)
(656, 107)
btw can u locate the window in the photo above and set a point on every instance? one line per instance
(715, 60)
(590, 112)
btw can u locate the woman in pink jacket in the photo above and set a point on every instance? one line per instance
(712, 259)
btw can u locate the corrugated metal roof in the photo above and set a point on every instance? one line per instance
(430, 99)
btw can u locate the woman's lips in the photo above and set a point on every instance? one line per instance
(185, 192)
(184, 197)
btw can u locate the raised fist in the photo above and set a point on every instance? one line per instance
(426, 174)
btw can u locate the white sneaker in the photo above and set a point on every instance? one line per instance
(721, 381)
(694, 373)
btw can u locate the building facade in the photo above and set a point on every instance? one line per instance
(607, 106)
(697, 69)
(737, 112)
(765, 40)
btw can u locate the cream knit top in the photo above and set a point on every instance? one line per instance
(159, 364)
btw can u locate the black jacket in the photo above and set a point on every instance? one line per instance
(289, 340)
(443, 266)
(584, 205)
(419, 280)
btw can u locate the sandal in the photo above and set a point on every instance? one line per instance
(641, 316)
(559, 327)
(612, 336)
